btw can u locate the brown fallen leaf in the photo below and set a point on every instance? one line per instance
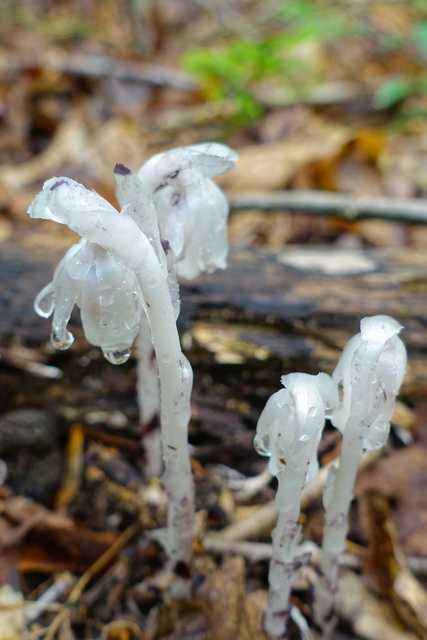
(271, 166)
(224, 591)
(401, 477)
(69, 144)
(57, 541)
(369, 616)
(12, 620)
(386, 568)
(230, 614)
(255, 605)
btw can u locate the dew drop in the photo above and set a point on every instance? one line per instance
(151, 283)
(312, 412)
(117, 357)
(106, 299)
(305, 437)
(62, 343)
(261, 446)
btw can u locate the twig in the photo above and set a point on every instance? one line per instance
(228, 17)
(82, 582)
(98, 66)
(261, 551)
(141, 11)
(246, 488)
(252, 551)
(265, 517)
(349, 206)
(33, 610)
(99, 564)
(26, 360)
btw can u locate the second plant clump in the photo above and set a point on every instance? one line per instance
(359, 399)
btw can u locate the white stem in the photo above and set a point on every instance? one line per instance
(286, 535)
(148, 394)
(131, 247)
(336, 528)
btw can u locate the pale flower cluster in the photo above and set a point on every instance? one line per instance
(192, 209)
(174, 191)
(359, 399)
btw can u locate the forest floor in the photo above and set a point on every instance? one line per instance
(316, 97)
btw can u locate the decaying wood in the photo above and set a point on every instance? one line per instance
(300, 306)
(296, 308)
(99, 66)
(267, 314)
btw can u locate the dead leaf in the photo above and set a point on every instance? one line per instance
(12, 621)
(385, 565)
(369, 616)
(69, 144)
(402, 477)
(370, 143)
(271, 166)
(230, 613)
(57, 541)
(225, 594)
(255, 605)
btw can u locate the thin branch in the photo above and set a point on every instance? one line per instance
(265, 517)
(99, 66)
(348, 206)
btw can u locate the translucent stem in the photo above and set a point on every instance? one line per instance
(122, 238)
(286, 535)
(336, 527)
(148, 394)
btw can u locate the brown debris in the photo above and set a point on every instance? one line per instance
(86, 84)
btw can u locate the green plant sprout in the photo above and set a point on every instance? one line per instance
(234, 70)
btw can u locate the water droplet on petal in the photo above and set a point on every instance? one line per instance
(305, 437)
(62, 343)
(262, 446)
(151, 283)
(117, 357)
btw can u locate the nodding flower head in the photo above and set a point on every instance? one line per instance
(290, 426)
(191, 208)
(369, 373)
(107, 293)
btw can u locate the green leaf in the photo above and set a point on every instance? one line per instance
(392, 91)
(419, 36)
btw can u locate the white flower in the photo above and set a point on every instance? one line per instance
(370, 372)
(192, 210)
(290, 426)
(107, 292)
